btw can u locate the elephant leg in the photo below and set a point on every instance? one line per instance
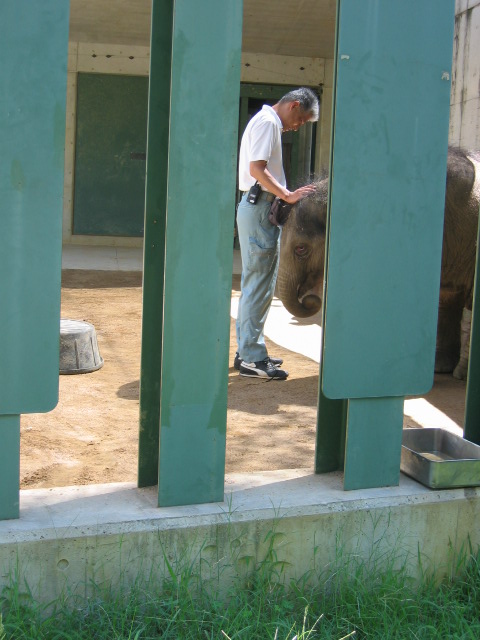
(448, 329)
(461, 370)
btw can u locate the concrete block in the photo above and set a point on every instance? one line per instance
(69, 539)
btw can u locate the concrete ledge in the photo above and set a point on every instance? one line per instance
(84, 252)
(102, 258)
(69, 539)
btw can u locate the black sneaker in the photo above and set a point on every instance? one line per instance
(238, 361)
(263, 369)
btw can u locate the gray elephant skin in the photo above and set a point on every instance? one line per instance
(302, 258)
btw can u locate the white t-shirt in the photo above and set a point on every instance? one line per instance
(262, 140)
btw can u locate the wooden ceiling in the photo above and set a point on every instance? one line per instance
(280, 27)
(289, 27)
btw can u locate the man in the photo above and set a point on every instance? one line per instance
(261, 162)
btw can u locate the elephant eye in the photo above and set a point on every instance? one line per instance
(300, 250)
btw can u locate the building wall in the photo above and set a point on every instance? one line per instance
(465, 95)
(94, 58)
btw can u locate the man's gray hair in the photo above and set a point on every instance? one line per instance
(307, 98)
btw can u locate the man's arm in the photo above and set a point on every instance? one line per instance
(259, 171)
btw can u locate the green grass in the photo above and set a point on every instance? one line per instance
(353, 599)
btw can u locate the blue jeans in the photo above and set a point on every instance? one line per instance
(259, 245)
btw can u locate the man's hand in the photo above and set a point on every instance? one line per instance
(259, 171)
(295, 196)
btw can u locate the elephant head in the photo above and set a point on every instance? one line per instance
(302, 254)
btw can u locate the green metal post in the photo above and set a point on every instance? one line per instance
(205, 90)
(387, 181)
(33, 81)
(472, 402)
(374, 443)
(330, 438)
(9, 467)
(154, 242)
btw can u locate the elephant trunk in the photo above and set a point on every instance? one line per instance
(301, 300)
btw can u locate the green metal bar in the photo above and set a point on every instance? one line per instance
(472, 403)
(33, 81)
(331, 414)
(330, 437)
(390, 124)
(198, 261)
(387, 182)
(295, 136)
(9, 467)
(243, 121)
(154, 243)
(374, 443)
(243, 115)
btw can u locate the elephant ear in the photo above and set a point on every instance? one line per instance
(279, 212)
(460, 175)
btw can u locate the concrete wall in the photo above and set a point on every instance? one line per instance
(69, 539)
(465, 95)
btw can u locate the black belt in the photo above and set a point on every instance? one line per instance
(266, 195)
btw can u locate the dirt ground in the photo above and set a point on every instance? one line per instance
(92, 434)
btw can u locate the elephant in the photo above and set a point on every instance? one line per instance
(302, 256)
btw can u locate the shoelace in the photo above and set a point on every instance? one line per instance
(269, 362)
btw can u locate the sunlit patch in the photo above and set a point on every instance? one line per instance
(426, 415)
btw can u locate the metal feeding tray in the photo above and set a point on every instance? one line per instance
(440, 459)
